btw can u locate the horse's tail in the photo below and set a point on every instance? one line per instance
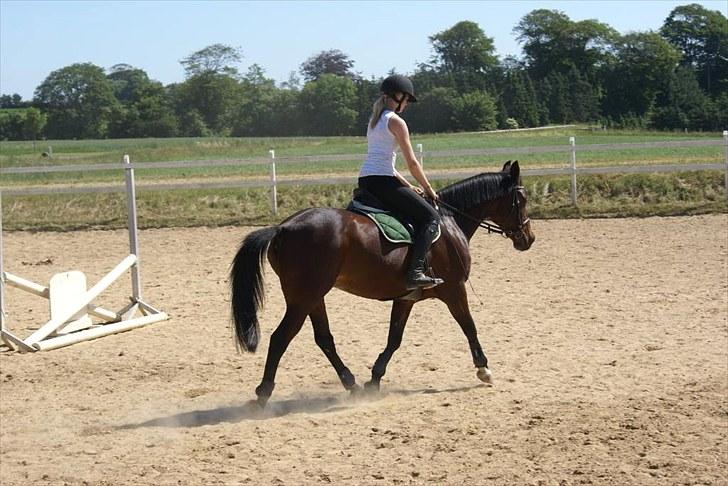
(246, 282)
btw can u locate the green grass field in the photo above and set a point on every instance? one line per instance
(609, 196)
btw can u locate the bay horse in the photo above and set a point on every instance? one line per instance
(321, 248)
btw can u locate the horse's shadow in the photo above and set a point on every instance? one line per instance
(252, 411)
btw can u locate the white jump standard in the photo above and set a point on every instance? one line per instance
(71, 303)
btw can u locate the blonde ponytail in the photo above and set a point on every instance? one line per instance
(377, 110)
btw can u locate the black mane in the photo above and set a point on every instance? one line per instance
(476, 190)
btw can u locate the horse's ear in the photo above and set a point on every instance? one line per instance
(506, 166)
(515, 172)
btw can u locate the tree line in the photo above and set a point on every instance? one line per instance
(570, 71)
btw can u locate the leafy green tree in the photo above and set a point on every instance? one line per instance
(501, 115)
(192, 124)
(553, 42)
(332, 61)
(684, 104)
(520, 99)
(145, 109)
(284, 118)
(475, 111)
(11, 123)
(255, 111)
(702, 37)
(127, 81)
(583, 96)
(328, 106)
(642, 63)
(78, 99)
(434, 112)
(12, 101)
(211, 89)
(213, 96)
(215, 59)
(465, 54)
(367, 91)
(427, 77)
(33, 123)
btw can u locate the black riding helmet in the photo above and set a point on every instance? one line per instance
(398, 84)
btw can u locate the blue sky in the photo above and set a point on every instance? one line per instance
(37, 37)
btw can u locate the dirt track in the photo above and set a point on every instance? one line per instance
(608, 341)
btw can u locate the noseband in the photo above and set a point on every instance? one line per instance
(518, 233)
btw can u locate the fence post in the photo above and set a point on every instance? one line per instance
(572, 142)
(725, 142)
(274, 189)
(422, 157)
(2, 275)
(136, 286)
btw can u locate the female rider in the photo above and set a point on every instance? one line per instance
(386, 131)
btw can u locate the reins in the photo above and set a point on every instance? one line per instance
(491, 227)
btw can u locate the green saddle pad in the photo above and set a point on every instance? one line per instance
(391, 228)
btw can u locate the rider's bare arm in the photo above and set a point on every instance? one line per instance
(399, 129)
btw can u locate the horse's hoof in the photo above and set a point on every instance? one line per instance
(485, 375)
(262, 402)
(371, 386)
(264, 391)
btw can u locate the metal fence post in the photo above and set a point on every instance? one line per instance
(725, 140)
(273, 181)
(136, 286)
(422, 157)
(572, 142)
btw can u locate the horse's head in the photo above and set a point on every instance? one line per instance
(510, 212)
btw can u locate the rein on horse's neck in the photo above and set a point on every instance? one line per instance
(475, 197)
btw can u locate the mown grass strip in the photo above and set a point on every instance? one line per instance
(549, 197)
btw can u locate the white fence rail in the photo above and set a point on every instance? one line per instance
(273, 182)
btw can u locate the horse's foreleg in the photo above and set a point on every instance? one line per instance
(460, 310)
(400, 313)
(279, 341)
(325, 341)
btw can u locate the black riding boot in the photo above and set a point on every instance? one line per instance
(416, 277)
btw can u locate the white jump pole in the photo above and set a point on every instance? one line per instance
(41, 291)
(572, 143)
(273, 182)
(38, 340)
(2, 277)
(136, 286)
(27, 285)
(82, 302)
(97, 332)
(725, 140)
(422, 156)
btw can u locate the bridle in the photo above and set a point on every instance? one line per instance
(518, 233)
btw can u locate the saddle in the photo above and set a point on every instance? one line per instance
(395, 228)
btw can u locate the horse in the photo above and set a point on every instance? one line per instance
(320, 248)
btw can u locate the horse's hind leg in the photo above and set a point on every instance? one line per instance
(325, 341)
(400, 313)
(279, 341)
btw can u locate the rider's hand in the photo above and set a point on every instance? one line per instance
(418, 190)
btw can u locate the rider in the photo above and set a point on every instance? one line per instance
(386, 131)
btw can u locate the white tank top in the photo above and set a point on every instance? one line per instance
(381, 145)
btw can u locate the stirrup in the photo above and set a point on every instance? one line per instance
(423, 282)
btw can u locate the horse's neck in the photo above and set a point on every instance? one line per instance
(476, 214)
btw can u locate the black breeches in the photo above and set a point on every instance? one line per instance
(401, 200)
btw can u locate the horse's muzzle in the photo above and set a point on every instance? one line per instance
(523, 239)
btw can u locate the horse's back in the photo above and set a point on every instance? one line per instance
(336, 247)
(312, 237)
